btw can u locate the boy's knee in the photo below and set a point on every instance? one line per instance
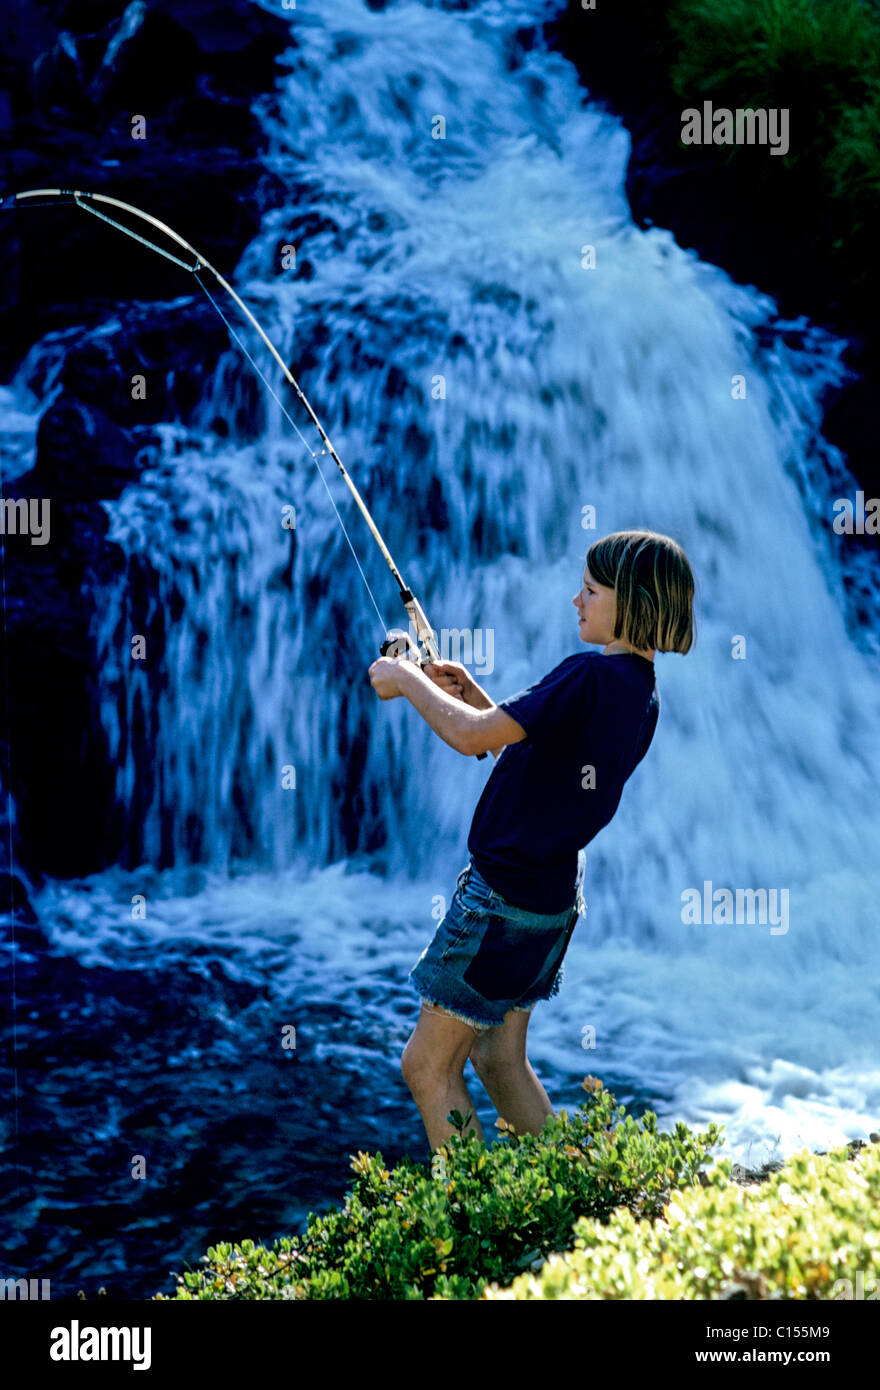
(488, 1060)
(423, 1070)
(416, 1066)
(407, 1063)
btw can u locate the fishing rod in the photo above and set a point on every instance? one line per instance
(398, 641)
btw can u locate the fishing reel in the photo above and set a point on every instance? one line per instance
(399, 643)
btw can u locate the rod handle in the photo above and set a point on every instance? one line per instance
(399, 643)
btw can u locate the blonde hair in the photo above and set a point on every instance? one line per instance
(653, 588)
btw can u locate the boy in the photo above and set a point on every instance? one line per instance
(564, 748)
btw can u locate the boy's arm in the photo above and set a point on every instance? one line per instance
(480, 700)
(476, 697)
(467, 729)
(458, 681)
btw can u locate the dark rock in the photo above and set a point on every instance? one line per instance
(74, 78)
(15, 887)
(145, 43)
(72, 75)
(73, 432)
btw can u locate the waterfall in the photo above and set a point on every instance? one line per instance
(566, 387)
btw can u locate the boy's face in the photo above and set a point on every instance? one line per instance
(595, 605)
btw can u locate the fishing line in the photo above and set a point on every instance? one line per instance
(288, 417)
(136, 235)
(397, 641)
(39, 197)
(194, 270)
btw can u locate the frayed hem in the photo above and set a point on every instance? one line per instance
(543, 998)
(478, 1025)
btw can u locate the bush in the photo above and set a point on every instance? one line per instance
(820, 59)
(479, 1214)
(813, 1223)
(761, 50)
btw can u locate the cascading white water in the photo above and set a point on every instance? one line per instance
(565, 387)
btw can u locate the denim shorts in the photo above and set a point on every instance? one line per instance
(489, 956)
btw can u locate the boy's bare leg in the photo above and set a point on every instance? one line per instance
(500, 1061)
(432, 1065)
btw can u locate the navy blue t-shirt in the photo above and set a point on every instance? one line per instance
(588, 723)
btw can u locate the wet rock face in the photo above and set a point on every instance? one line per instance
(74, 77)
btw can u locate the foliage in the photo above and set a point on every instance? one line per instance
(814, 1222)
(758, 50)
(479, 1214)
(820, 59)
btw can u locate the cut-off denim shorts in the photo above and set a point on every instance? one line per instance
(488, 956)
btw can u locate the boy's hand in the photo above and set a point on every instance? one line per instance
(452, 677)
(384, 676)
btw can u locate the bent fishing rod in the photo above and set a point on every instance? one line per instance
(398, 641)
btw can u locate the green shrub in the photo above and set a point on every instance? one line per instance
(811, 1224)
(821, 60)
(479, 1214)
(759, 50)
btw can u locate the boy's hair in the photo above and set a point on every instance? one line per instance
(653, 588)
